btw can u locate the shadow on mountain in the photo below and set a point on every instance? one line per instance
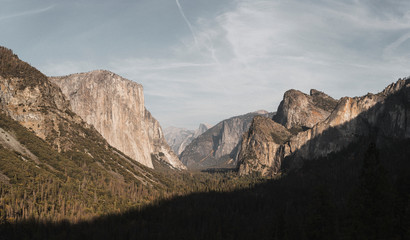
(360, 192)
(386, 122)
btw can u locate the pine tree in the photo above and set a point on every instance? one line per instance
(371, 205)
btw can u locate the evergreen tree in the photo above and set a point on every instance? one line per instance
(371, 205)
(321, 219)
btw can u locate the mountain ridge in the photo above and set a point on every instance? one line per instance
(350, 119)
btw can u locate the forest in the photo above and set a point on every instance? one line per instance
(342, 196)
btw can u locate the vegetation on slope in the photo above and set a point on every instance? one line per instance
(12, 67)
(64, 185)
(73, 173)
(73, 185)
(339, 197)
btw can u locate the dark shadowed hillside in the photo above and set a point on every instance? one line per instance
(329, 198)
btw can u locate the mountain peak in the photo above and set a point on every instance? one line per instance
(299, 110)
(102, 76)
(261, 112)
(396, 86)
(317, 93)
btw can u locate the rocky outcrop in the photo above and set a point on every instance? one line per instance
(378, 116)
(381, 117)
(28, 97)
(179, 138)
(300, 111)
(219, 146)
(160, 148)
(263, 147)
(115, 107)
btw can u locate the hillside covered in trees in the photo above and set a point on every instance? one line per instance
(339, 197)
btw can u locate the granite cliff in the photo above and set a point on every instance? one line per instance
(219, 146)
(263, 147)
(48, 152)
(300, 111)
(378, 116)
(115, 107)
(323, 125)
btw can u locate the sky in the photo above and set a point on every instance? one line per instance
(202, 61)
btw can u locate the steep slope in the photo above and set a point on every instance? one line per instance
(52, 164)
(29, 98)
(115, 107)
(218, 147)
(263, 147)
(179, 138)
(381, 117)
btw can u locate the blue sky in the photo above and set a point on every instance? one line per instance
(207, 60)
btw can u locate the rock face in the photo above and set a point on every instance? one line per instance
(263, 147)
(302, 111)
(379, 116)
(115, 107)
(179, 138)
(29, 98)
(219, 146)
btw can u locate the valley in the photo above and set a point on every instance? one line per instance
(81, 157)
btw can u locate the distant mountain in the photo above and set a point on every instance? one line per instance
(179, 138)
(53, 165)
(315, 125)
(218, 146)
(115, 107)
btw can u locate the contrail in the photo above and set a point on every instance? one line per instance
(31, 12)
(210, 47)
(187, 22)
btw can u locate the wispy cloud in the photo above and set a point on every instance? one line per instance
(267, 47)
(27, 13)
(393, 51)
(246, 57)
